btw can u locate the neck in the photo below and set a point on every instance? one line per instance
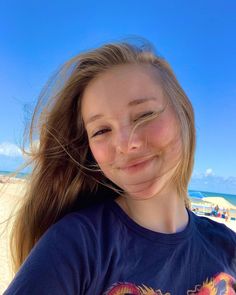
(164, 213)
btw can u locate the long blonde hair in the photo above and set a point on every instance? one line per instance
(63, 178)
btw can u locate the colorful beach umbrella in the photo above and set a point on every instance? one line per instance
(220, 201)
(195, 194)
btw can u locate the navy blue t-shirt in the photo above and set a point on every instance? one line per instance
(100, 250)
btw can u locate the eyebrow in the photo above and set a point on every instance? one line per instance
(140, 100)
(130, 104)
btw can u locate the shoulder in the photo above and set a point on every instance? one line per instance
(86, 224)
(62, 261)
(73, 239)
(215, 231)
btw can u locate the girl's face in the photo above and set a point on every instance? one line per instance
(139, 160)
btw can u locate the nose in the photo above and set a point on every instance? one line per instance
(128, 140)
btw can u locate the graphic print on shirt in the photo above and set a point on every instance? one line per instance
(221, 284)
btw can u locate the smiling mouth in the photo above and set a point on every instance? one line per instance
(137, 166)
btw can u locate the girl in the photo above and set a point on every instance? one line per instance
(107, 210)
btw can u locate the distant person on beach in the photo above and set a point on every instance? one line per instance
(107, 209)
(226, 214)
(215, 211)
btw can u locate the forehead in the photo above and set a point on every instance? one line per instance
(118, 86)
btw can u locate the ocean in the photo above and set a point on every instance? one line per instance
(228, 197)
(19, 175)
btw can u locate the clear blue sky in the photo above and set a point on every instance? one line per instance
(197, 37)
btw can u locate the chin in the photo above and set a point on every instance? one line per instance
(146, 189)
(144, 192)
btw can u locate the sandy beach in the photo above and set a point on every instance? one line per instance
(11, 195)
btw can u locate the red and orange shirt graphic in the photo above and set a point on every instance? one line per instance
(221, 284)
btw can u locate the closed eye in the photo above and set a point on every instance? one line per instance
(145, 115)
(101, 132)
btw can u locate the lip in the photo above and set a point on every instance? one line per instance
(136, 165)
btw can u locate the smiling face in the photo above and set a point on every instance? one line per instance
(133, 131)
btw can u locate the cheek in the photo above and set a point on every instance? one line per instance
(161, 134)
(165, 137)
(101, 153)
